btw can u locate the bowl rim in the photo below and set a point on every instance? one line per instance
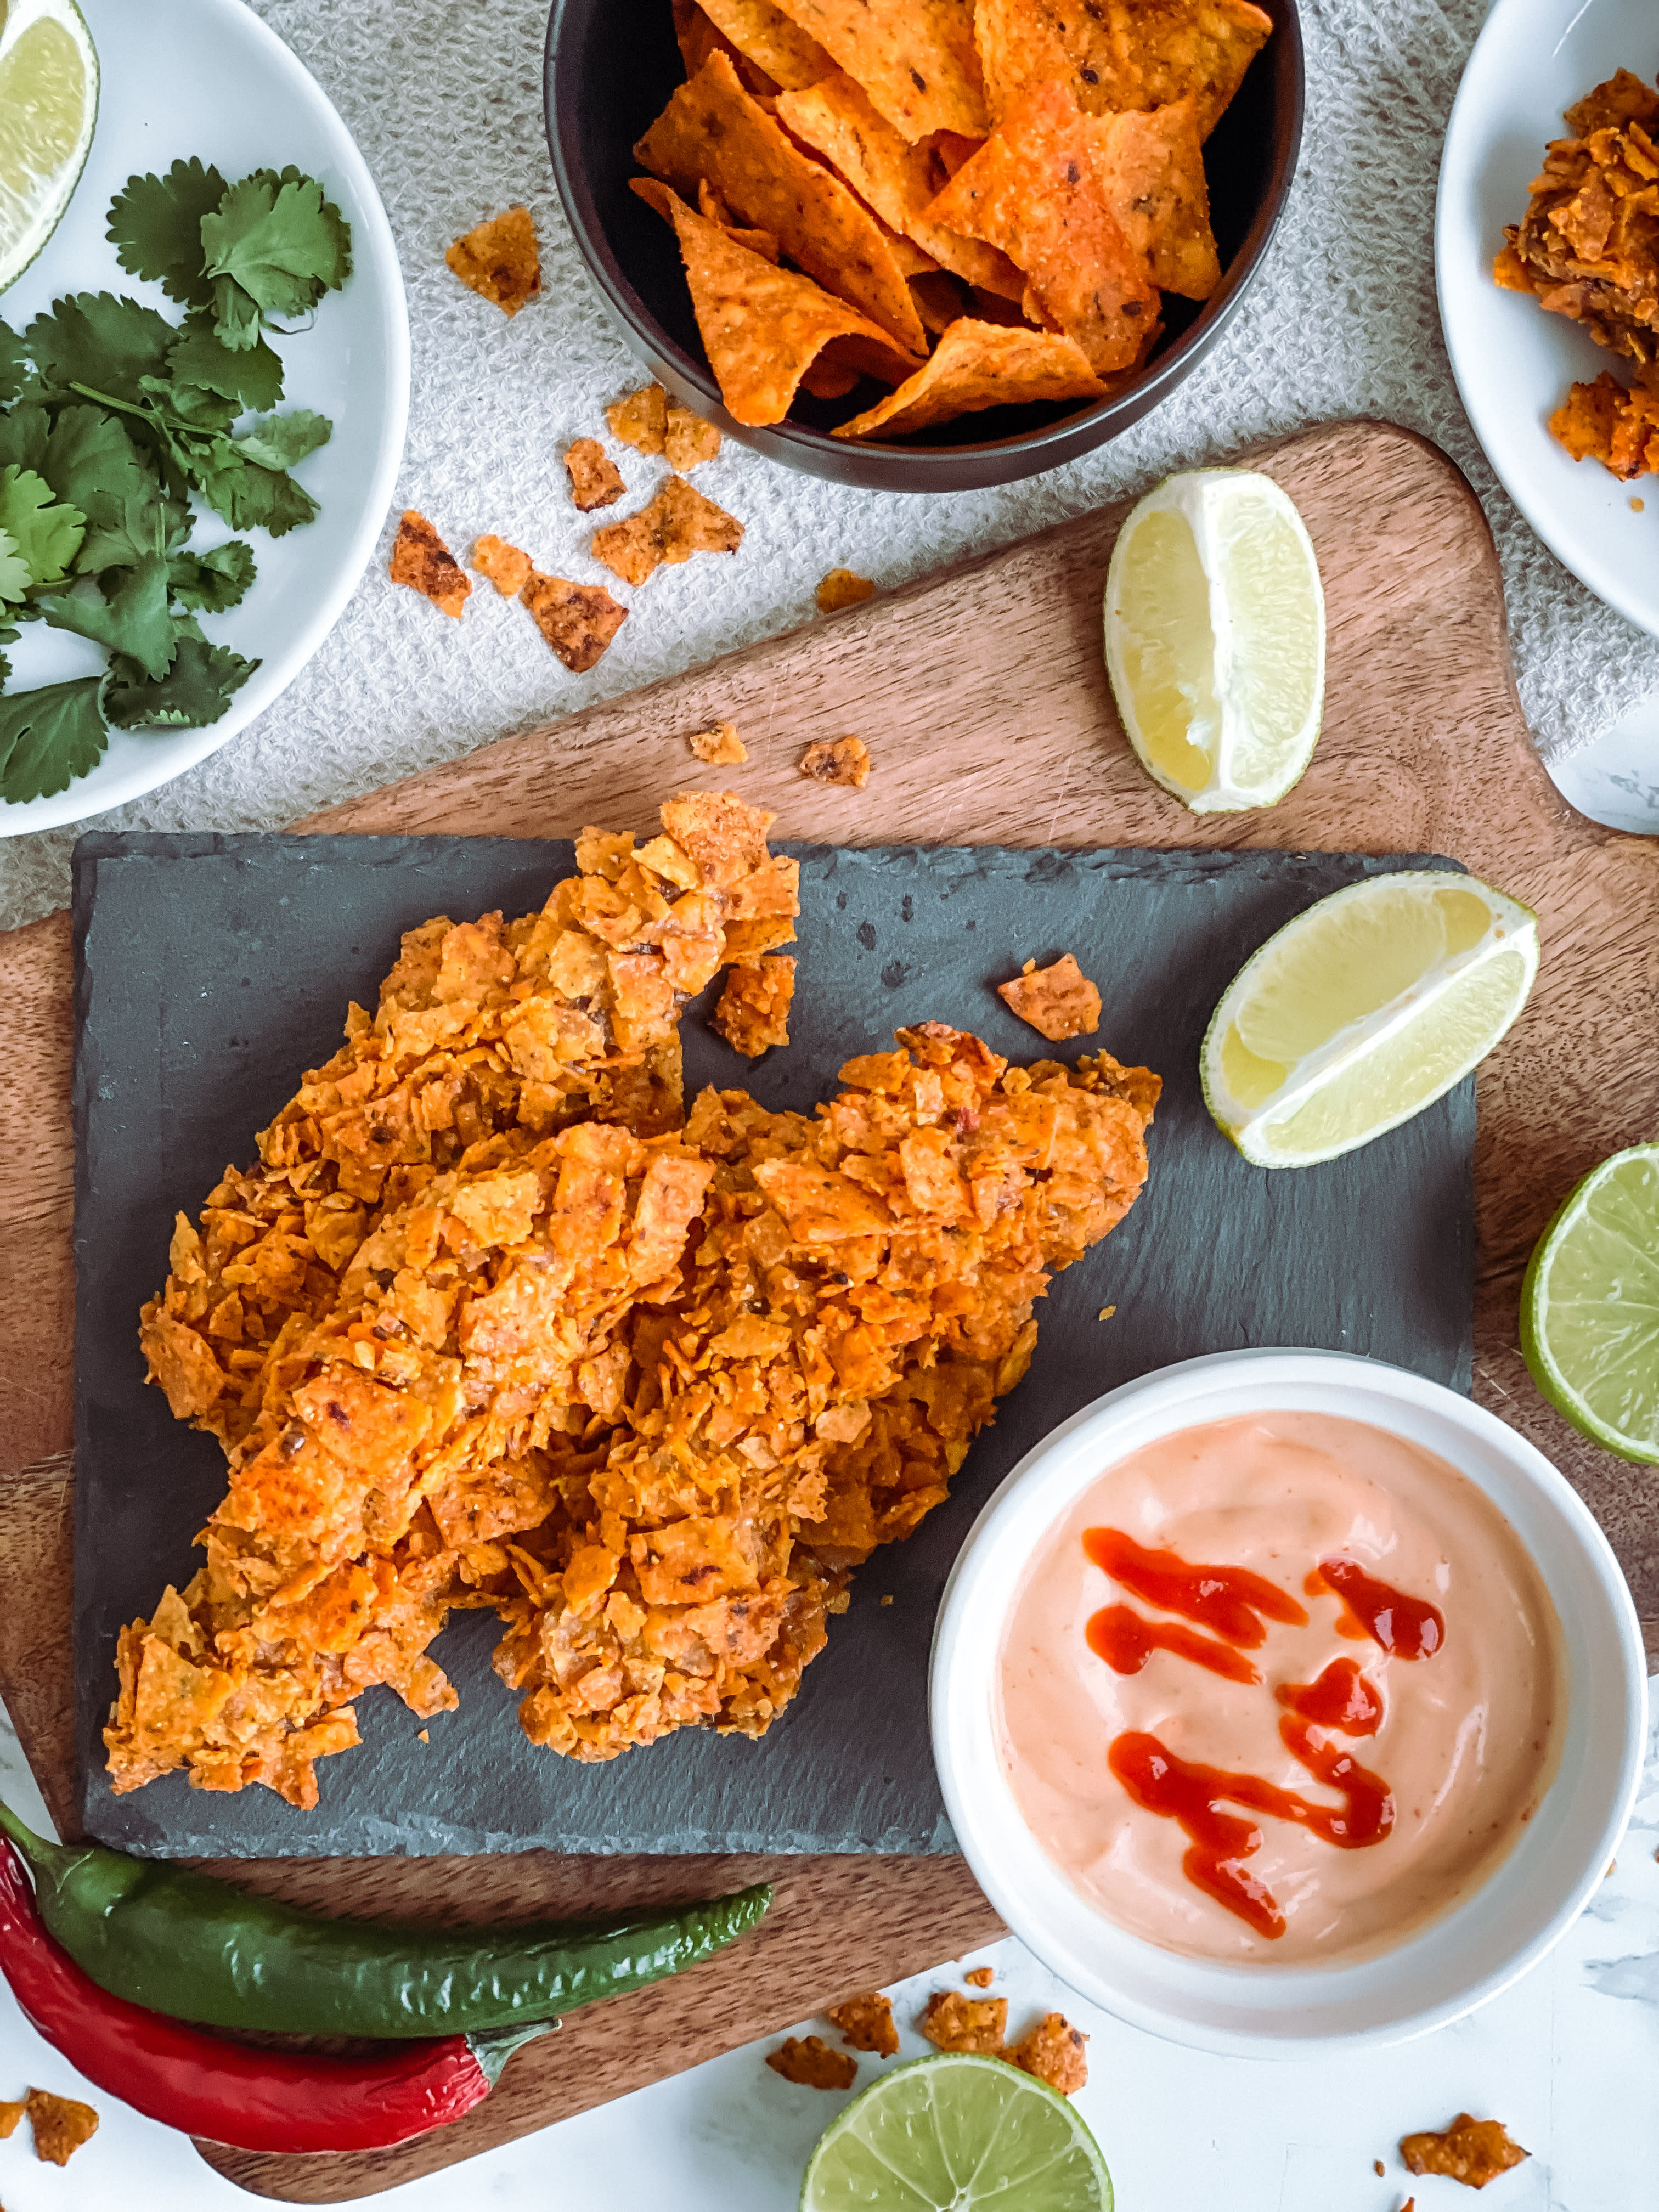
(965, 1655)
(887, 466)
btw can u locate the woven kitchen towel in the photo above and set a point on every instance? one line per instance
(444, 102)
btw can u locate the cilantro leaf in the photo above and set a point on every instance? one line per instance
(23, 433)
(277, 441)
(195, 691)
(14, 363)
(332, 220)
(248, 496)
(213, 581)
(15, 577)
(96, 339)
(195, 410)
(145, 525)
(155, 228)
(48, 536)
(90, 461)
(278, 243)
(135, 621)
(252, 377)
(236, 315)
(49, 736)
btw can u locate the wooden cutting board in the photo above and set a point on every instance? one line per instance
(981, 696)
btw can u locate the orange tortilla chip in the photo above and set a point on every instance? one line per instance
(841, 588)
(831, 376)
(721, 747)
(421, 560)
(698, 38)
(761, 327)
(711, 129)
(639, 418)
(1120, 55)
(1034, 191)
(1471, 2151)
(765, 35)
(955, 2022)
(1054, 2051)
(978, 365)
(846, 762)
(60, 2126)
(866, 2024)
(940, 300)
(506, 567)
(899, 178)
(753, 1013)
(1152, 169)
(499, 260)
(578, 620)
(810, 2062)
(1059, 1001)
(678, 523)
(915, 58)
(713, 209)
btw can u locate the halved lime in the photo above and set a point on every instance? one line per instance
(1215, 638)
(1364, 1011)
(1589, 1306)
(48, 106)
(955, 2131)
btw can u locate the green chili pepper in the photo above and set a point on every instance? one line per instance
(201, 1950)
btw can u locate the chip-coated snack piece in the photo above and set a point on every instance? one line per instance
(595, 479)
(1605, 423)
(1471, 2151)
(721, 747)
(808, 2061)
(12, 2110)
(1058, 1001)
(1121, 55)
(578, 620)
(764, 35)
(844, 761)
(866, 2023)
(1055, 2053)
(841, 588)
(678, 523)
(979, 1978)
(639, 418)
(1152, 169)
(955, 2022)
(753, 1013)
(687, 440)
(977, 365)
(60, 2126)
(1614, 105)
(506, 568)
(915, 58)
(421, 560)
(500, 261)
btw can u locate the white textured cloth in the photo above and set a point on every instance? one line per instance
(446, 103)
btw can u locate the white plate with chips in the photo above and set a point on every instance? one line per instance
(213, 82)
(1513, 362)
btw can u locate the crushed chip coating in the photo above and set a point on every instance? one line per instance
(505, 566)
(421, 560)
(809, 2062)
(595, 479)
(845, 761)
(866, 2023)
(977, 365)
(955, 2022)
(1472, 2151)
(1120, 55)
(500, 261)
(841, 588)
(1058, 1001)
(578, 620)
(1605, 423)
(1622, 100)
(763, 34)
(1054, 2051)
(687, 440)
(1152, 169)
(678, 523)
(12, 2110)
(915, 58)
(980, 1978)
(60, 2126)
(639, 419)
(753, 1013)
(763, 327)
(721, 747)
(1036, 192)
(713, 128)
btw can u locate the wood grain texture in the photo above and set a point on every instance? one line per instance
(983, 698)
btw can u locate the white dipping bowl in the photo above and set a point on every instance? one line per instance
(1457, 1962)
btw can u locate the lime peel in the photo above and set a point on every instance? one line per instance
(1589, 1306)
(48, 111)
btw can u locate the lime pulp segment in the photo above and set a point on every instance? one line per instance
(1589, 1306)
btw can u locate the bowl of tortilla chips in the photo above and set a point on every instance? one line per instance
(923, 244)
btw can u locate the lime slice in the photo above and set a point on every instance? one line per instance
(1589, 1306)
(1215, 639)
(957, 2131)
(1364, 1011)
(48, 106)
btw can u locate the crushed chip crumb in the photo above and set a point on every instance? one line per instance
(955, 2022)
(1378, 2168)
(1054, 2051)
(845, 762)
(506, 567)
(1471, 2151)
(1105, 1313)
(721, 747)
(12, 2110)
(808, 2061)
(578, 620)
(753, 1013)
(1058, 1001)
(841, 588)
(678, 523)
(687, 440)
(423, 1735)
(421, 560)
(499, 260)
(595, 479)
(865, 2023)
(887, 1601)
(639, 419)
(60, 2126)
(979, 1978)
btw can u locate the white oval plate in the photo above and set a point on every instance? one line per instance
(1459, 1961)
(1512, 361)
(180, 77)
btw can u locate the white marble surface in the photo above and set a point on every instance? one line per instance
(1569, 2059)
(1616, 780)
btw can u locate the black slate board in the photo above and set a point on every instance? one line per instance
(210, 969)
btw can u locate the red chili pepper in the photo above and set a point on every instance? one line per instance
(226, 2092)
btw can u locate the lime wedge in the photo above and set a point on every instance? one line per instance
(1215, 639)
(1364, 1011)
(48, 106)
(957, 2130)
(1589, 1306)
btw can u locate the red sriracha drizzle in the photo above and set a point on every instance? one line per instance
(1404, 1627)
(1126, 1640)
(1229, 1601)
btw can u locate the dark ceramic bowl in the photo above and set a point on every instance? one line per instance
(612, 65)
